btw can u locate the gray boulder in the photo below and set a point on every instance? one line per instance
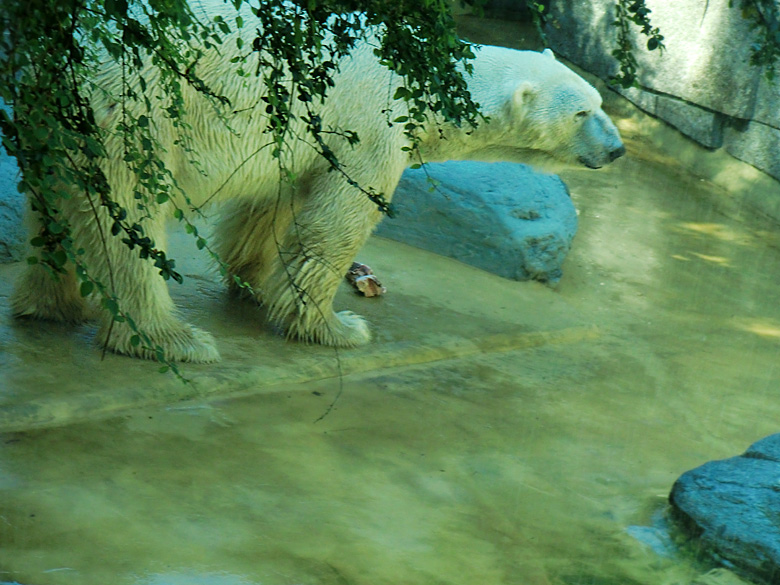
(501, 217)
(12, 233)
(733, 507)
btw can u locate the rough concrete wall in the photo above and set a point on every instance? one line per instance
(703, 84)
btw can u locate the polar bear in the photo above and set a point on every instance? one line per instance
(293, 241)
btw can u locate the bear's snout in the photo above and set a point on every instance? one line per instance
(617, 153)
(598, 143)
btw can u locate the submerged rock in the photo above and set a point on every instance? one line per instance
(733, 507)
(501, 217)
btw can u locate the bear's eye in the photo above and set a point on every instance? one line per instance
(582, 114)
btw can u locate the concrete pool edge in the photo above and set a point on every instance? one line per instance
(60, 411)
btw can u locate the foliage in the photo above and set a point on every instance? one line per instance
(765, 18)
(628, 12)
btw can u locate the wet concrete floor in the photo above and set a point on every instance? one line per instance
(494, 433)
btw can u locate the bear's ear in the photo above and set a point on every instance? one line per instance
(548, 53)
(523, 94)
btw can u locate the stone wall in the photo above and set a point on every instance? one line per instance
(703, 84)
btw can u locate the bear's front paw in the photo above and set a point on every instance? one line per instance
(179, 343)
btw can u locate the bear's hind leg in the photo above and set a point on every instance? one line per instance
(38, 294)
(245, 238)
(314, 255)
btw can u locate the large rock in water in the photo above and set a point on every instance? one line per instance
(733, 506)
(12, 233)
(502, 217)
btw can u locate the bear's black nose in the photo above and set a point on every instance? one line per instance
(617, 153)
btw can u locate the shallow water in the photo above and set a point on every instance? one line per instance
(495, 433)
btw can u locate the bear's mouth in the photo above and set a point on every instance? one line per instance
(586, 163)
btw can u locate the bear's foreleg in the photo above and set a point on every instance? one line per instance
(141, 293)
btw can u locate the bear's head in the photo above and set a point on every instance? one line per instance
(545, 110)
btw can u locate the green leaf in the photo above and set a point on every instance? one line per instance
(41, 133)
(401, 93)
(59, 257)
(111, 306)
(86, 288)
(55, 228)
(116, 8)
